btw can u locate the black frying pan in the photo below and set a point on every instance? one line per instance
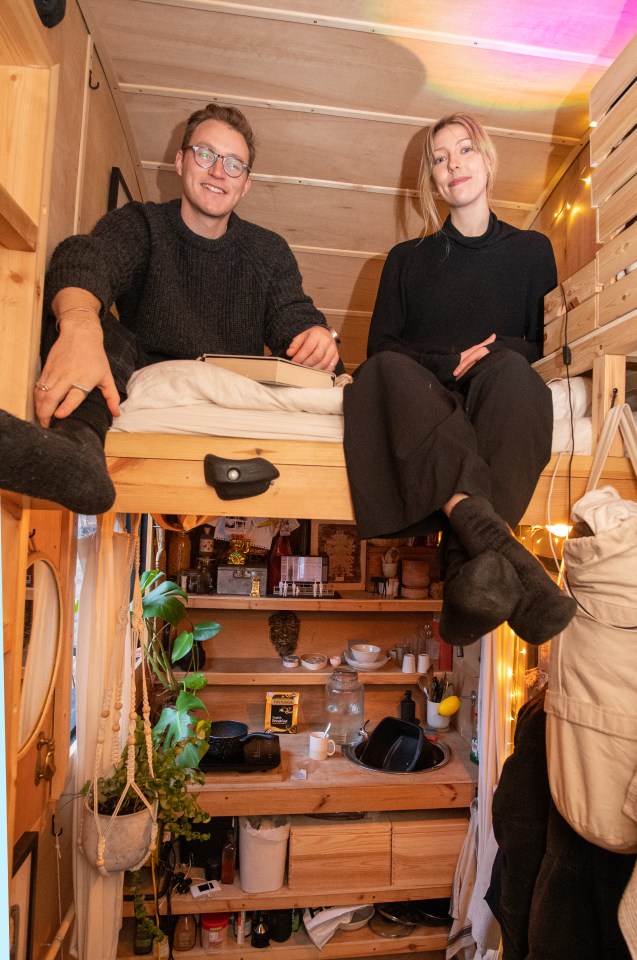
(227, 739)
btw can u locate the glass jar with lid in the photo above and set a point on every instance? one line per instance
(344, 705)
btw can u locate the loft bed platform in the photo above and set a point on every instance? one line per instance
(157, 474)
(163, 473)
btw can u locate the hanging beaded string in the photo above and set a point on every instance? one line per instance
(138, 642)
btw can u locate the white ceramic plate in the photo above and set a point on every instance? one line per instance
(376, 665)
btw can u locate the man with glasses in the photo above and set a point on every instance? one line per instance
(187, 277)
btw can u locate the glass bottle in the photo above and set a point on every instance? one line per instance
(344, 705)
(408, 707)
(185, 933)
(206, 542)
(280, 548)
(178, 555)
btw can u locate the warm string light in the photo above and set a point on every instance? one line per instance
(573, 207)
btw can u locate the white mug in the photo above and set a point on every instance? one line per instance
(321, 747)
(424, 662)
(409, 663)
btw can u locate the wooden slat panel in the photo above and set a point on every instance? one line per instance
(17, 229)
(569, 327)
(617, 210)
(618, 336)
(557, 482)
(609, 388)
(25, 94)
(614, 82)
(614, 126)
(617, 254)
(339, 67)
(324, 147)
(348, 283)
(574, 290)
(614, 171)
(618, 298)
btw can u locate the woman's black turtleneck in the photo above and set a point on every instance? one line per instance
(447, 292)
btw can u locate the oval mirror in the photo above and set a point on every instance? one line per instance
(41, 646)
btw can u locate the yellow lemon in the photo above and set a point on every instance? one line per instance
(448, 706)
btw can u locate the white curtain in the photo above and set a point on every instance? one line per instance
(103, 618)
(43, 641)
(495, 731)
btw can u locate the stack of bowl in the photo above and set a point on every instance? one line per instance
(365, 653)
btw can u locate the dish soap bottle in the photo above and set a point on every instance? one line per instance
(408, 707)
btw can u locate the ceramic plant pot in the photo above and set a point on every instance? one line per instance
(118, 843)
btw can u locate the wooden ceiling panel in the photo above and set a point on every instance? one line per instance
(582, 26)
(310, 146)
(325, 218)
(235, 55)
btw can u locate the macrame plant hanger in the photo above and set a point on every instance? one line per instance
(112, 706)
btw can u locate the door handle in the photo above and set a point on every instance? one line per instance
(45, 769)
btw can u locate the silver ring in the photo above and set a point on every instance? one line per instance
(39, 385)
(85, 390)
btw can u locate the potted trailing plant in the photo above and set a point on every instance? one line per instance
(175, 746)
(163, 610)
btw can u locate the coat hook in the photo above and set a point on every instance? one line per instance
(93, 86)
(56, 833)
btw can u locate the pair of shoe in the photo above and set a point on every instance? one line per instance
(502, 581)
(65, 463)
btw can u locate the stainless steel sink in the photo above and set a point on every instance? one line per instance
(353, 751)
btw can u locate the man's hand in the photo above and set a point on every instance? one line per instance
(314, 347)
(77, 357)
(471, 356)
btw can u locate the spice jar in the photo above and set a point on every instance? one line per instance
(344, 705)
(214, 929)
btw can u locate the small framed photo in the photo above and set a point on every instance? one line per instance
(22, 899)
(340, 543)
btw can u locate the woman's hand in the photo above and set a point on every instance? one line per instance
(314, 347)
(471, 356)
(75, 365)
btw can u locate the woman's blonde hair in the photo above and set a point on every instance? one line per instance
(481, 142)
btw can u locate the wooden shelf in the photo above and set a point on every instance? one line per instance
(357, 943)
(351, 601)
(231, 897)
(265, 671)
(17, 229)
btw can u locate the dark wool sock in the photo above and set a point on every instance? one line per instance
(543, 610)
(65, 464)
(477, 598)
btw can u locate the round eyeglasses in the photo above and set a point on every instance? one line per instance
(206, 157)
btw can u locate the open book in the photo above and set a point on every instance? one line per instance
(272, 370)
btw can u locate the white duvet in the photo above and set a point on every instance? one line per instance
(188, 396)
(191, 397)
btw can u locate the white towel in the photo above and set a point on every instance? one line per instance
(322, 926)
(460, 935)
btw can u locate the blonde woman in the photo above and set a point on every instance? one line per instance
(447, 426)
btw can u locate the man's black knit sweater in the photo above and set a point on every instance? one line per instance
(447, 292)
(182, 294)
